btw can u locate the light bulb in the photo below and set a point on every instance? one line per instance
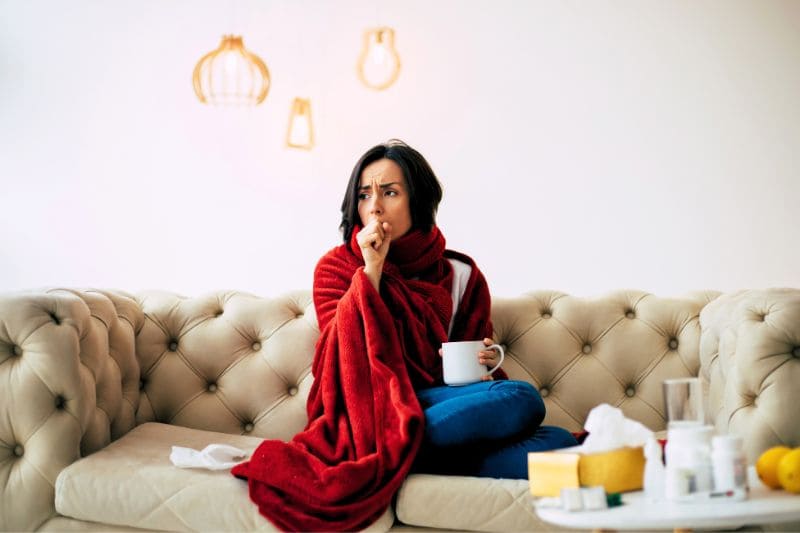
(231, 75)
(379, 62)
(301, 130)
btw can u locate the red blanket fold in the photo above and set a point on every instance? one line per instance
(365, 423)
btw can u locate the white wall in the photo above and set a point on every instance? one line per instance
(583, 146)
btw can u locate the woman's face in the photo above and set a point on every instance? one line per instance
(383, 195)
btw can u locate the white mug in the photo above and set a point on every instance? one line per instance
(460, 361)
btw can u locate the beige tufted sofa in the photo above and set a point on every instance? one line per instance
(96, 386)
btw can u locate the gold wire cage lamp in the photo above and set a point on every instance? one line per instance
(231, 75)
(300, 133)
(379, 62)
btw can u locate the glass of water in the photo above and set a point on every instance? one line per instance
(683, 402)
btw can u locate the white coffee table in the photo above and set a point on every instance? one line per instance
(764, 506)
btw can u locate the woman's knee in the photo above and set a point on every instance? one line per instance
(556, 437)
(524, 394)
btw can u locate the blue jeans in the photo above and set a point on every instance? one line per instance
(485, 429)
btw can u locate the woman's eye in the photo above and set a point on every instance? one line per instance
(391, 193)
(363, 196)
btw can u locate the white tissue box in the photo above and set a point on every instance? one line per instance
(618, 470)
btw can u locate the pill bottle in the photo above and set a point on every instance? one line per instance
(729, 465)
(688, 462)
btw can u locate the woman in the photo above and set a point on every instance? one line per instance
(386, 300)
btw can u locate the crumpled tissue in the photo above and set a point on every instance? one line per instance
(609, 429)
(212, 457)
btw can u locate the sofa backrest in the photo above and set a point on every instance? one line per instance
(750, 357)
(615, 349)
(226, 361)
(68, 386)
(237, 363)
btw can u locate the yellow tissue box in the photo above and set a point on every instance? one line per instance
(617, 470)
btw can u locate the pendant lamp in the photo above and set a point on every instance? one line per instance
(301, 129)
(231, 75)
(379, 63)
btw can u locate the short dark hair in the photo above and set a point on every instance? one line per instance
(424, 190)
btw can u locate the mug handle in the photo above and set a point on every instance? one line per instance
(502, 357)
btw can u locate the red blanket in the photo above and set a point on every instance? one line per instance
(365, 423)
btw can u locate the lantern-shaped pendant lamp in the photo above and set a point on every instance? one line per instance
(231, 75)
(379, 63)
(301, 130)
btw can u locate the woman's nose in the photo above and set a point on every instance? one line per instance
(377, 206)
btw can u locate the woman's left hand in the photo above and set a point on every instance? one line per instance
(489, 357)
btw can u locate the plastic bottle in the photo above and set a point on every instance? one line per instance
(654, 472)
(698, 461)
(729, 466)
(689, 468)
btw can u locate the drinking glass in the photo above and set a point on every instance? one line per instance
(683, 402)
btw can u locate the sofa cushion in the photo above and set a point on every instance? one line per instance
(62, 524)
(132, 483)
(467, 503)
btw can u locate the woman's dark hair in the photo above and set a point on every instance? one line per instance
(424, 190)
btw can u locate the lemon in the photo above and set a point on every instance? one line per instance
(767, 465)
(789, 471)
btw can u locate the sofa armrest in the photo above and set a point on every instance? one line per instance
(750, 361)
(61, 393)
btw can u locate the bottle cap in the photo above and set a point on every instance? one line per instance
(690, 436)
(731, 443)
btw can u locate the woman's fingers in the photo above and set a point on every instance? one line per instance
(380, 238)
(375, 241)
(372, 235)
(488, 358)
(386, 231)
(377, 235)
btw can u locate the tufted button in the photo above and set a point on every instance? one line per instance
(212, 387)
(17, 350)
(142, 383)
(248, 427)
(630, 314)
(256, 346)
(60, 401)
(19, 451)
(298, 314)
(546, 313)
(587, 348)
(218, 313)
(55, 318)
(630, 391)
(673, 344)
(796, 352)
(173, 345)
(544, 392)
(292, 391)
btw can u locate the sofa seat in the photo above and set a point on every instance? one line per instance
(132, 483)
(467, 503)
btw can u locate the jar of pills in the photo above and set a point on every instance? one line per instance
(729, 465)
